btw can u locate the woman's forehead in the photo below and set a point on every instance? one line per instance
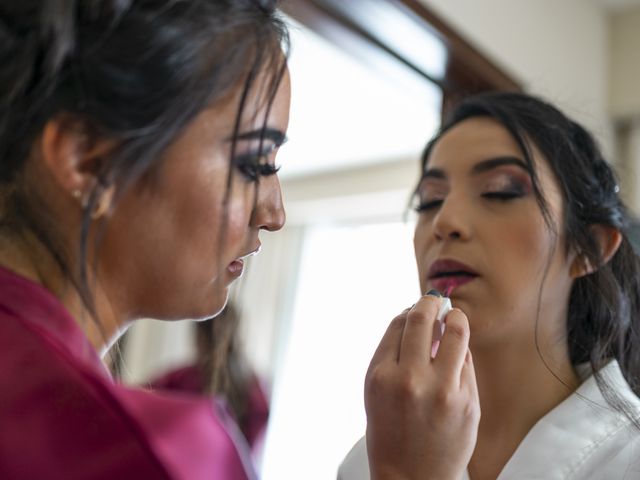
(474, 139)
(477, 139)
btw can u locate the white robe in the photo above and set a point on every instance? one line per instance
(581, 438)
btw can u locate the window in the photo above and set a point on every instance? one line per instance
(378, 75)
(353, 280)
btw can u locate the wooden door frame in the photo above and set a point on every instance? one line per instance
(350, 25)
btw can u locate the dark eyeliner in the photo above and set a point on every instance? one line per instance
(428, 205)
(249, 165)
(503, 195)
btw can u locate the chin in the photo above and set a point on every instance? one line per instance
(184, 303)
(217, 303)
(208, 313)
(202, 311)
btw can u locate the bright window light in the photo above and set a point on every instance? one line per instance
(353, 281)
(346, 114)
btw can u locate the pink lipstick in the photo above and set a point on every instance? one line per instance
(438, 331)
(448, 275)
(236, 267)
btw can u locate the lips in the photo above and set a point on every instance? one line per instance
(448, 275)
(237, 266)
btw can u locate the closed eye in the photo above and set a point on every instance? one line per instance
(252, 168)
(254, 165)
(503, 195)
(428, 205)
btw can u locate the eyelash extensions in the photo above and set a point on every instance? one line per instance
(249, 164)
(253, 170)
(499, 195)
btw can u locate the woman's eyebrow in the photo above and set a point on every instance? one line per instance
(496, 162)
(434, 173)
(276, 136)
(481, 167)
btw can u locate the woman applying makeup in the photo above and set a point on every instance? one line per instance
(137, 171)
(521, 221)
(137, 149)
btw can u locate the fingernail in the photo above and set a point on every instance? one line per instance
(434, 293)
(434, 348)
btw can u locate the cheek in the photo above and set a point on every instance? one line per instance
(237, 220)
(524, 249)
(420, 249)
(197, 216)
(237, 213)
(199, 211)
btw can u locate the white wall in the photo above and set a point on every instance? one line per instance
(625, 64)
(625, 98)
(557, 49)
(380, 191)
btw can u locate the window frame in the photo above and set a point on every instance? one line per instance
(349, 26)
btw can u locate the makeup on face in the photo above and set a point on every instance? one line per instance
(446, 275)
(255, 149)
(483, 212)
(494, 182)
(500, 178)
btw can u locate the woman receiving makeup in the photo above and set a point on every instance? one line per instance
(537, 374)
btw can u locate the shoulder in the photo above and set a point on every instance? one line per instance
(67, 413)
(185, 379)
(57, 411)
(617, 453)
(617, 456)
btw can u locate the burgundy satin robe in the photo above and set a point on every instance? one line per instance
(63, 417)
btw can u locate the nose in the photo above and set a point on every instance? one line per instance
(268, 213)
(451, 220)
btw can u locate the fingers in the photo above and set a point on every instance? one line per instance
(468, 377)
(454, 346)
(389, 346)
(418, 331)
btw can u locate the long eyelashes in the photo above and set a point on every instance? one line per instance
(503, 195)
(254, 165)
(500, 196)
(426, 206)
(253, 170)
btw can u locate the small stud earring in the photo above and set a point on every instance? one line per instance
(78, 195)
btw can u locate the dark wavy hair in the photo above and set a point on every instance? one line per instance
(604, 307)
(224, 368)
(133, 71)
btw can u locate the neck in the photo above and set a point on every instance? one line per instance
(518, 384)
(28, 258)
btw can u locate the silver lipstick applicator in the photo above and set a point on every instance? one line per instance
(445, 307)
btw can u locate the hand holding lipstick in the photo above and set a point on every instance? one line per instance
(422, 412)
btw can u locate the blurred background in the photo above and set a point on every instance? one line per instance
(371, 80)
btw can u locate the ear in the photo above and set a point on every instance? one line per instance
(73, 152)
(608, 239)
